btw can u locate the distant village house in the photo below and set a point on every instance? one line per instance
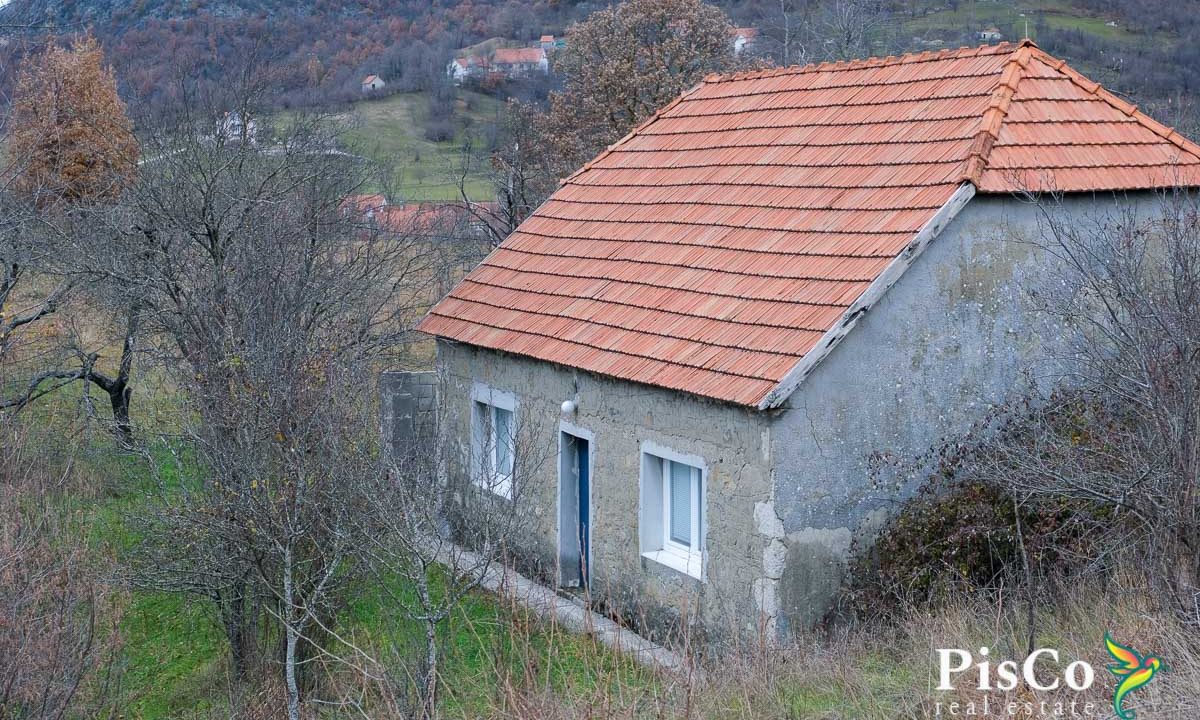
(441, 221)
(372, 83)
(464, 68)
(990, 35)
(520, 62)
(366, 205)
(743, 39)
(231, 128)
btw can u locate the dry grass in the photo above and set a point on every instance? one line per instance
(876, 672)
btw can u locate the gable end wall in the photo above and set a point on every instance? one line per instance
(952, 338)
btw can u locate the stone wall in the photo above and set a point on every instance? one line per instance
(407, 405)
(733, 442)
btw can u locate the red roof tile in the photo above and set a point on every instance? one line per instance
(518, 56)
(713, 248)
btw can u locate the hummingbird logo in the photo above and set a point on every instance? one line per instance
(1132, 671)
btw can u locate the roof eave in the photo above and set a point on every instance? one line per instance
(895, 269)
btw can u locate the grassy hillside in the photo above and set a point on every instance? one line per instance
(392, 129)
(1011, 18)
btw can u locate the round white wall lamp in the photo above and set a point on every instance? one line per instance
(569, 407)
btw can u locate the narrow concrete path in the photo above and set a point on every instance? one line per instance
(548, 604)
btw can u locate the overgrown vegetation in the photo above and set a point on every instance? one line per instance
(1093, 483)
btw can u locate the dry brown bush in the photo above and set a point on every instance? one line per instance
(57, 616)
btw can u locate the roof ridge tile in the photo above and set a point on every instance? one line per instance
(993, 116)
(850, 64)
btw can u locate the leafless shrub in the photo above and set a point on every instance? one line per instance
(438, 539)
(1098, 466)
(873, 671)
(1126, 436)
(57, 626)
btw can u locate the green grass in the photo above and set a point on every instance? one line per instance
(972, 15)
(487, 645)
(391, 129)
(172, 661)
(875, 682)
(173, 657)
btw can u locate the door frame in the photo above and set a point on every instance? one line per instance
(568, 428)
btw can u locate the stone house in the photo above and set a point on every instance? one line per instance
(233, 128)
(716, 323)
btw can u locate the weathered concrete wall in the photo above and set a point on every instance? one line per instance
(952, 338)
(734, 443)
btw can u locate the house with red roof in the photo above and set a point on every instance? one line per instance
(714, 326)
(743, 38)
(477, 222)
(520, 62)
(463, 68)
(372, 83)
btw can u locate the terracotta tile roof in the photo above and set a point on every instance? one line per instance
(435, 218)
(365, 203)
(735, 233)
(518, 56)
(1050, 128)
(471, 61)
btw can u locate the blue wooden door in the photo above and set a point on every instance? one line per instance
(585, 510)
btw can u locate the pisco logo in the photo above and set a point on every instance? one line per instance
(1132, 669)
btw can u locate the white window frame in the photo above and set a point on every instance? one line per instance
(493, 400)
(695, 492)
(655, 511)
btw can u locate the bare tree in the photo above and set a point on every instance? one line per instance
(270, 303)
(783, 26)
(443, 536)
(845, 29)
(72, 148)
(53, 327)
(522, 173)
